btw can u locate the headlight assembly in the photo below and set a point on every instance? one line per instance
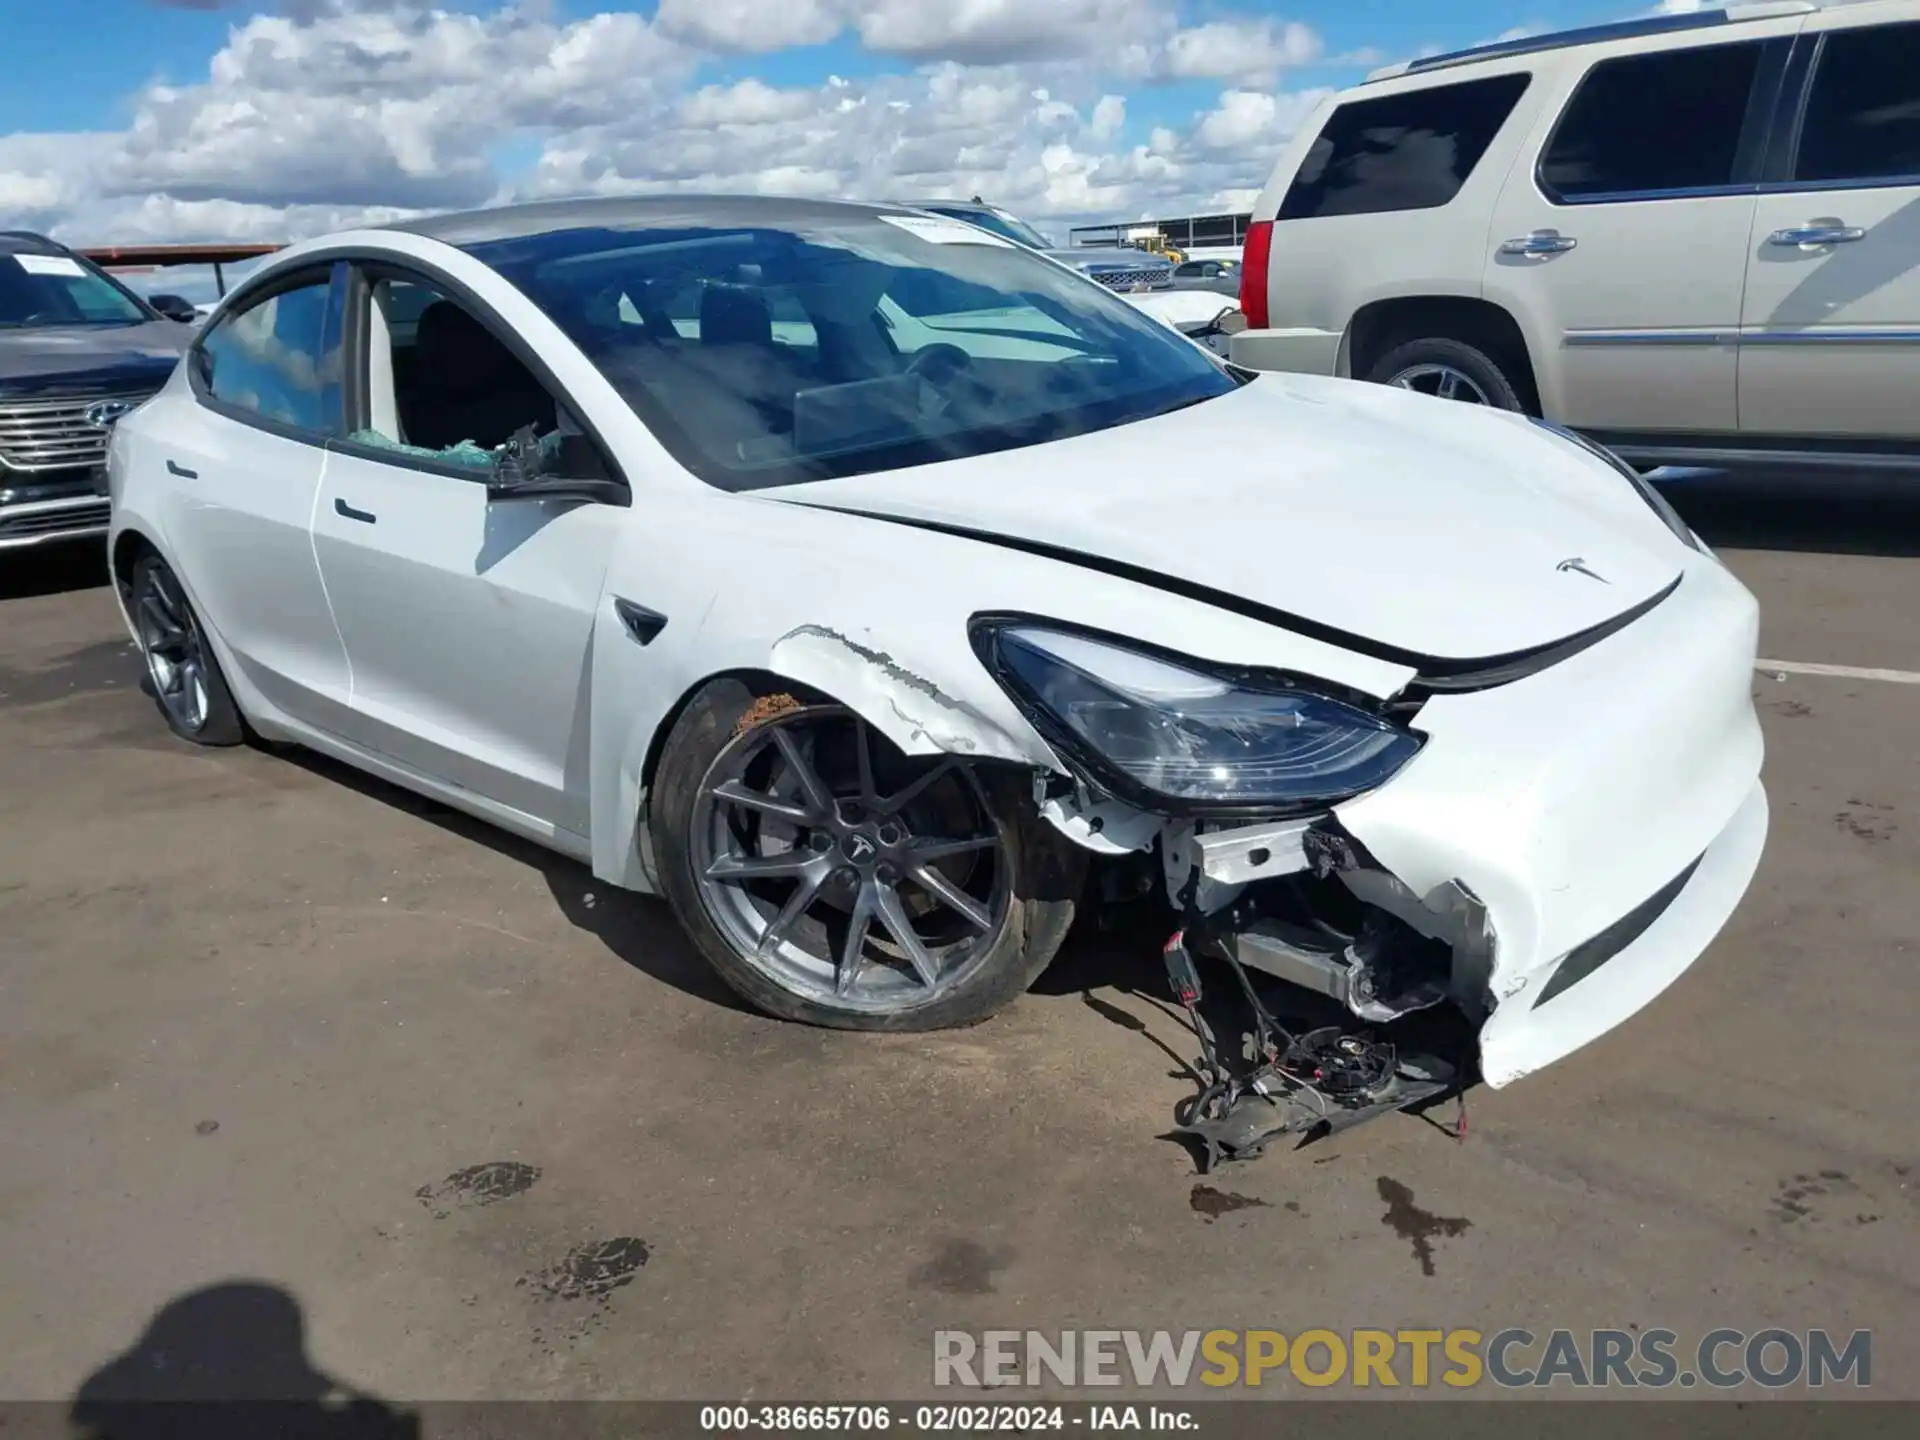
(1668, 515)
(1170, 736)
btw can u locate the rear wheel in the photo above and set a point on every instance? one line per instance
(187, 684)
(831, 879)
(1448, 370)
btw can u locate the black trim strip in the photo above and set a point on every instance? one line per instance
(1434, 674)
(1590, 955)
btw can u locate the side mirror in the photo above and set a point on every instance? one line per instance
(174, 307)
(562, 466)
(1230, 322)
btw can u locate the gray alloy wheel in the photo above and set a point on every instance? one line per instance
(176, 655)
(844, 873)
(1445, 382)
(1449, 369)
(185, 676)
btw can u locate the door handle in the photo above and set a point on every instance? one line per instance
(347, 512)
(182, 471)
(1539, 242)
(1829, 233)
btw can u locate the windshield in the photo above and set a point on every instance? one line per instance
(1005, 226)
(765, 357)
(47, 290)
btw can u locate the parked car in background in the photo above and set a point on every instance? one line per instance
(1693, 237)
(77, 350)
(1118, 267)
(1221, 276)
(1204, 316)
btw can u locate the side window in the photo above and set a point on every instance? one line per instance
(1863, 115)
(1649, 123)
(1411, 151)
(279, 358)
(440, 385)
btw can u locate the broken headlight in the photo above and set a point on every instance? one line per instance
(1658, 502)
(1167, 732)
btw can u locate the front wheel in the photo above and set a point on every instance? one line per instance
(831, 879)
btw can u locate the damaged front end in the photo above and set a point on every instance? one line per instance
(1232, 779)
(1299, 901)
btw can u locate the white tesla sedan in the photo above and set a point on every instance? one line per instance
(860, 582)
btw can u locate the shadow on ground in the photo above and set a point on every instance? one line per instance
(1840, 513)
(53, 570)
(638, 929)
(228, 1362)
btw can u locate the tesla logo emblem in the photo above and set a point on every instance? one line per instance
(859, 848)
(1577, 566)
(106, 412)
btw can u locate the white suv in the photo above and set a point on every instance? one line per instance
(1694, 237)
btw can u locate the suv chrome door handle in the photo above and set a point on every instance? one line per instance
(1539, 242)
(1817, 234)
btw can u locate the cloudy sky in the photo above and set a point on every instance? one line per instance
(273, 119)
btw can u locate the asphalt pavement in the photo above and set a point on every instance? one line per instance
(303, 1079)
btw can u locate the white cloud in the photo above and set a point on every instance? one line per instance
(751, 26)
(1255, 122)
(1002, 31)
(334, 111)
(1240, 50)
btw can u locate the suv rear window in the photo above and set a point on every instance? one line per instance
(1411, 151)
(1863, 118)
(1646, 124)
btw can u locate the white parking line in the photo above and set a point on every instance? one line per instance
(1843, 672)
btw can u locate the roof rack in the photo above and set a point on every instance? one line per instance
(1595, 34)
(34, 235)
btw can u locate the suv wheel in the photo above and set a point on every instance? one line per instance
(1449, 370)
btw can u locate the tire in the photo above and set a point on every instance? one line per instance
(1412, 365)
(743, 738)
(182, 670)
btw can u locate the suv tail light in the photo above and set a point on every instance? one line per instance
(1253, 274)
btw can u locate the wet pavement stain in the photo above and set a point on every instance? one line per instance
(1212, 1203)
(1866, 820)
(1792, 1202)
(963, 1267)
(589, 1272)
(1421, 1227)
(478, 1185)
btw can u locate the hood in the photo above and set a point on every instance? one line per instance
(1419, 526)
(79, 359)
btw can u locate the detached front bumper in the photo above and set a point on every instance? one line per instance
(1577, 997)
(1562, 848)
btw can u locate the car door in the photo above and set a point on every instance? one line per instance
(1620, 250)
(468, 622)
(239, 470)
(1830, 330)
